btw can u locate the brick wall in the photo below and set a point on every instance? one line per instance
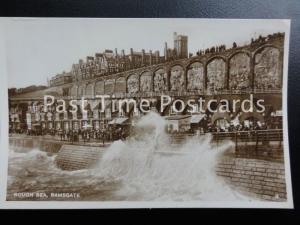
(76, 157)
(264, 179)
(265, 152)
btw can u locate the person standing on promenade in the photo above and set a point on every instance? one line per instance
(102, 134)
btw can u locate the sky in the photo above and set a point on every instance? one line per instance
(39, 48)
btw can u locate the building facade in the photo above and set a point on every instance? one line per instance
(256, 68)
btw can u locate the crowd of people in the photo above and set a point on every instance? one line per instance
(103, 135)
(79, 135)
(250, 126)
(115, 132)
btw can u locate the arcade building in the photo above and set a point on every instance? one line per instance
(214, 73)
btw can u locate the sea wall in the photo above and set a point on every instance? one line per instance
(260, 177)
(76, 157)
(69, 157)
(27, 143)
(264, 179)
(268, 152)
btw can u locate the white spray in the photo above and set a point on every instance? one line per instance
(146, 167)
(150, 168)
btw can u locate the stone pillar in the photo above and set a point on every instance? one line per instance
(93, 89)
(281, 58)
(152, 80)
(157, 57)
(252, 73)
(168, 71)
(205, 76)
(143, 57)
(151, 58)
(131, 58)
(227, 74)
(185, 70)
(153, 74)
(166, 51)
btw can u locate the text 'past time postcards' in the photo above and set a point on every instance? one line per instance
(144, 113)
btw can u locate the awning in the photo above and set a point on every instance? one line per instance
(197, 118)
(119, 120)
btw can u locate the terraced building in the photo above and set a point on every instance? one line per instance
(214, 73)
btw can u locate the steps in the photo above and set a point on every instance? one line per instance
(76, 157)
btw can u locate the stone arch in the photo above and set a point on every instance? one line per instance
(99, 87)
(109, 86)
(239, 51)
(256, 115)
(177, 63)
(216, 74)
(120, 85)
(267, 68)
(89, 90)
(80, 90)
(195, 76)
(216, 57)
(177, 78)
(133, 83)
(239, 71)
(73, 91)
(220, 115)
(146, 81)
(260, 48)
(247, 112)
(160, 80)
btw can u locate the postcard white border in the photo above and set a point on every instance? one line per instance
(137, 204)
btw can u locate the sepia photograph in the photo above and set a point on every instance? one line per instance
(121, 113)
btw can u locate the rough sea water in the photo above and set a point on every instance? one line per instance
(146, 167)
